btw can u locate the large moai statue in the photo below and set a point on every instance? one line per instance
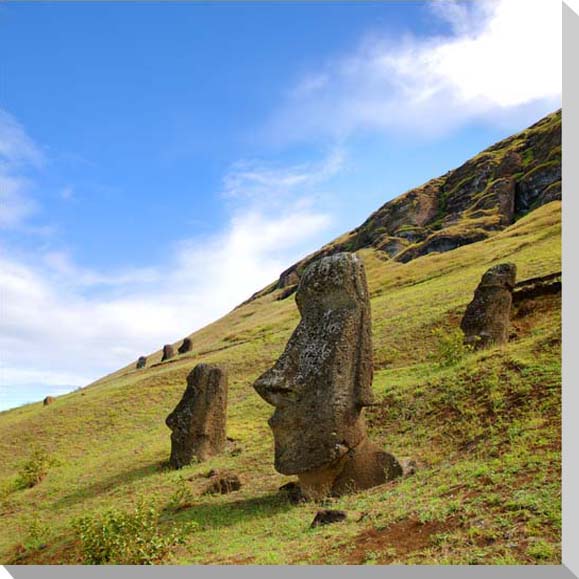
(198, 421)
(321, 383)
(168, 352)
(141, 362)
(487, 318)
(186, 346)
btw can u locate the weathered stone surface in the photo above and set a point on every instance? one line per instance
(538, 187)
(141, 362)
(327, 517)
(198, 421)
(486, 320)
(48, 400)
(321, 383)
(186, 346)
(168, 352)
(222, 484)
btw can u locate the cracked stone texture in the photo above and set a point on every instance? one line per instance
(321, 383)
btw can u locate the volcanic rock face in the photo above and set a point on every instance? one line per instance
(487, 318)
(141, 362)
(321, 383)
(198, 421)
(186, 346)
(168, 352)
(463, 206)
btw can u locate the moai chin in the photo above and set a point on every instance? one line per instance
(321, 383)
(487, 318)
(198, 421)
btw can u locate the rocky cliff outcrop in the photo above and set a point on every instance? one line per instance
(466, 205)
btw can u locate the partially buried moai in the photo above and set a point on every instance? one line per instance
(168, 352)
(321, 383)
(141, 362)
(198, 421)
(186, 346)
(487, 318)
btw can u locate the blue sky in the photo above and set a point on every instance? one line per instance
(160, 162)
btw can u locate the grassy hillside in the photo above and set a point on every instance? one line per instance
(483, 427)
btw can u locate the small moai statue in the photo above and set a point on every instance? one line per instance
(141, 362)
(168, 352)
(186, 346)
(322, 382)
(198, 421)
(487, 318)
(48, 400)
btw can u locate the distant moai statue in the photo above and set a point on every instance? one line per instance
(186, 346)
(141, 362)
(198, 421)
(487, 318)
(168, 352)
(48, 400)
(321, 383)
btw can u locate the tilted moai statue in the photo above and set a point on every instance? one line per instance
(487, 318)
(141, 362)
(186, 346)
(321, 383)
(198, 421)
(168, 352)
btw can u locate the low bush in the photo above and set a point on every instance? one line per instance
(35, 469)
(136, 537)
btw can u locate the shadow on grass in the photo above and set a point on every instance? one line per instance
(103, 486)
(216, 513)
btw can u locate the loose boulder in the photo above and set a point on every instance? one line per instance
(48, 400)
(141, 362)
(327, 517)
(168, 352)
(487, 318)
(222, 484)
(186, 346)
(198, 421)
(321, 383)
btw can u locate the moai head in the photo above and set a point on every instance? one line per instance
(186, 346)
(487, 318)
(168, 352)
(141, 362)
(198, 421)
(323, 379)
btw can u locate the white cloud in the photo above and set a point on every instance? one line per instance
(500, 56)
(61, 330)
(17, 153)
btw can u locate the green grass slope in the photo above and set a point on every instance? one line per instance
(485, 432)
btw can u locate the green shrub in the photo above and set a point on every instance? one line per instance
(118, 537)
(35, 469)
(450, 348)
(36, 533)
(181, 498)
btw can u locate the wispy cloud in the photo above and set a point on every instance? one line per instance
(18, 154)
(500, 56)
(256, 180)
